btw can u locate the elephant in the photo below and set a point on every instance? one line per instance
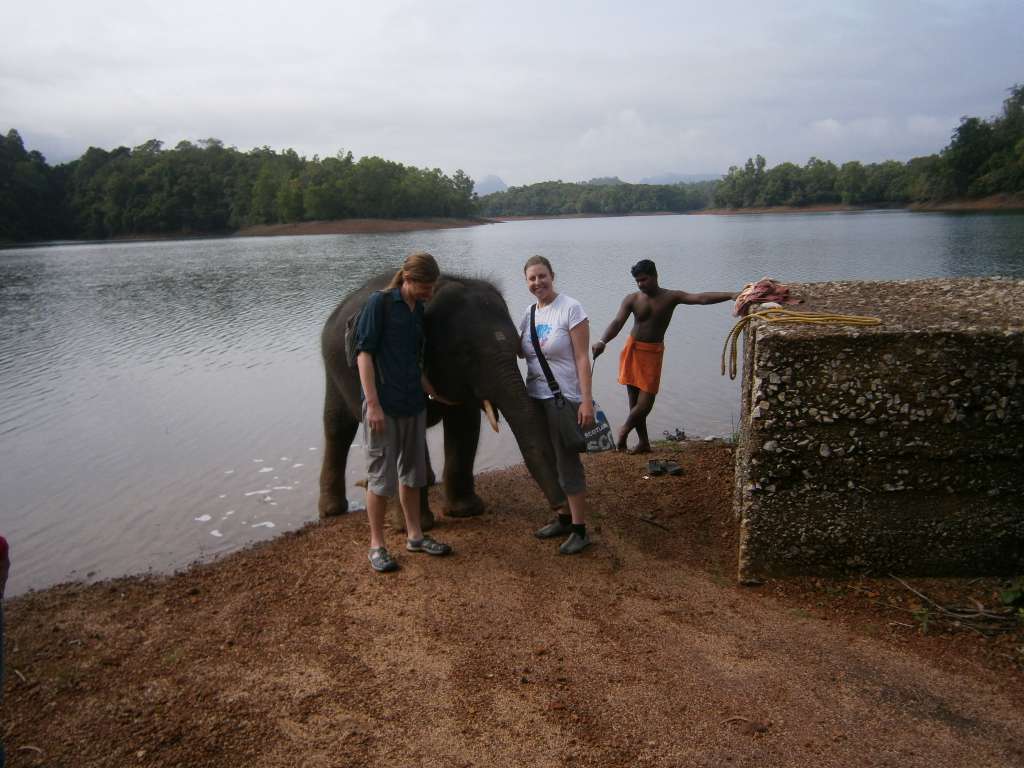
(470, 358)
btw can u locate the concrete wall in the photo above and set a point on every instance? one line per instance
(897, 448)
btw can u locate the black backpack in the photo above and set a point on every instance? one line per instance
(351, 350)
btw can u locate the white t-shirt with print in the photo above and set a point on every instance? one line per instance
(553, 325)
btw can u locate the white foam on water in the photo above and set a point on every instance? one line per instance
(216, 533)
(284, 458)
(229, 513)
(266, 469)
(258, 461)
(202, 519)
(229, 471)
(296, 466)
(282, 488)
(222, 496)
(264, 524)
(313, 449)
(257, 493)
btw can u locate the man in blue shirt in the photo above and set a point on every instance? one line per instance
(390, 339)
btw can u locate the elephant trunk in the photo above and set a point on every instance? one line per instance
(530, 429)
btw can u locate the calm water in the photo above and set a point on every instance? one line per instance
(160, 402)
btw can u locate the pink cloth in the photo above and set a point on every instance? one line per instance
(763, 290)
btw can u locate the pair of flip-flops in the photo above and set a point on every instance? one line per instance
(657, 468)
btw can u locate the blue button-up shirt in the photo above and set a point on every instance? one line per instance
(394, 337)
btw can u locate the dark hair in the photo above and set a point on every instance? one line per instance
(644, 267)
(420, 267)
(534, 261)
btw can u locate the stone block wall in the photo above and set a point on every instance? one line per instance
(896, 448)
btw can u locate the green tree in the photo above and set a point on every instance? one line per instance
(851, 183)
(782, 185)
(819, 180)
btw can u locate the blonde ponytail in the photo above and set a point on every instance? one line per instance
(420, 267)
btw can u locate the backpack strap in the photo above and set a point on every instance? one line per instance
(552, 383)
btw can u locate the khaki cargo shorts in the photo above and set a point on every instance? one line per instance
(397, 453)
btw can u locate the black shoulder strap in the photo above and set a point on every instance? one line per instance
(552, 383)
(421, 351)
(383, 319)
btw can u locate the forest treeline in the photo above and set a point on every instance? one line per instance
(604, 195)
(208, 188)
(984, 157)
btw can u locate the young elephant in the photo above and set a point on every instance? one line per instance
(470, 358)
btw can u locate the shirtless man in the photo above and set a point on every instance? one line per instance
(640, 362)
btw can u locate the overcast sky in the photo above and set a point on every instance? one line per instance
(525, 90)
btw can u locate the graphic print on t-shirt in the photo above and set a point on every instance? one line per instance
(543, 333)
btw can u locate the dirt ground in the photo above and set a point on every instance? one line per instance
(642, 651)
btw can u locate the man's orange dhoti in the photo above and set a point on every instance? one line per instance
(640, 364)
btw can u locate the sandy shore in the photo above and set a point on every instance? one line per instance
(642, 651)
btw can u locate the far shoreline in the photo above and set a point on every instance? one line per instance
(993, 204)
(357, 226)
(299, 228)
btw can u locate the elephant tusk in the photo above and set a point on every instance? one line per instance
(492, 419)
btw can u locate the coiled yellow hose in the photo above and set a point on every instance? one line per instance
(785, 316)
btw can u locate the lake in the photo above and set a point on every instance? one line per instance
(160, 402)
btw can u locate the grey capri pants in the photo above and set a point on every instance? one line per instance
(570, 468)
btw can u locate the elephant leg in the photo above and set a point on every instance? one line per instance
(340, 427)
(461, 436)
(426, 513)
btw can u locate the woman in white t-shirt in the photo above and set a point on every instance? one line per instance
(563, 332)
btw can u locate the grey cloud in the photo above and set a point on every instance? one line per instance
(528, 91)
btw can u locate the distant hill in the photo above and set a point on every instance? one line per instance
(489, 184)
(605, 181)
(680, 178)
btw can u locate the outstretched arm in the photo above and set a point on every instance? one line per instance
(709, 297)
(614, 326)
